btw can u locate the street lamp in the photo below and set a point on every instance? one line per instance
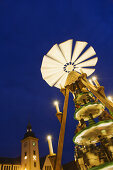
(49, 139)
(56, 104)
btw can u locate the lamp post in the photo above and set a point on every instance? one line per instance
(56, 103)
(49, 138)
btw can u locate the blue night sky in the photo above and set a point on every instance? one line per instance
(28, 29)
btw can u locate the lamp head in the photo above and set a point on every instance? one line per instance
(55, 103)
(90, 80)
(109, 98)
(49, 137)
(94, 78)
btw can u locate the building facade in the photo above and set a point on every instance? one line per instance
(30, 151)
(29, 159)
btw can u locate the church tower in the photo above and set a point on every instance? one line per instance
(30, 151)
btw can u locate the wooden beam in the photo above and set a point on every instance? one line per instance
(62, 133)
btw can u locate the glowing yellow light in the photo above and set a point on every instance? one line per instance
(96, 81)
(110, 98)
(25, 157)
(94, 78)
(34, 157)
(49, 137)
(25, 168)
(56, 103)
(91, 81)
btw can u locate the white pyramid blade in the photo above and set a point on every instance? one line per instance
(51, 80)
(56, 54)
(79, 46)
(50, 63)
(89, 63)
(66, 48)
(87, 54)
(49, 72)
(61, 82)
(88, 71)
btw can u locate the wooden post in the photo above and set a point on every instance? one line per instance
(62, 133)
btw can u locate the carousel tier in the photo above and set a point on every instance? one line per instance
(90, 135)
(83, 97)
(106, 166)
(91, 108)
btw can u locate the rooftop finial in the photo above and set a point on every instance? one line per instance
(29, 127)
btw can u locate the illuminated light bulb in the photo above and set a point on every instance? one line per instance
(49, 138)
(91, 81)
(96, 81)
(75, 158)
(34, 157)
(56, 103)
(110, 98)
(25, 157)
(94, 78)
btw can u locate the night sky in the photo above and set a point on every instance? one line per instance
(28, 29)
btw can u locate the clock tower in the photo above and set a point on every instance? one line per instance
(30, 151)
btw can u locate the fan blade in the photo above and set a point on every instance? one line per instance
(49, 72)
(79, 46)
(51, 63)
(56, 54)
(91, 62)
(87, 54)
(66, 48)
(61, 82)
(88, 71)
(51, 80)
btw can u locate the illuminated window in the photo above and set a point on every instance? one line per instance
(25, 156)
(34, 144)
(34, 164)
(34, 157)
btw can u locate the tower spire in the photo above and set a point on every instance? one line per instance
(29, 132)
(29, 127)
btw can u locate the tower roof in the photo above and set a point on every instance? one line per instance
(29, 126)
(29, 132)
